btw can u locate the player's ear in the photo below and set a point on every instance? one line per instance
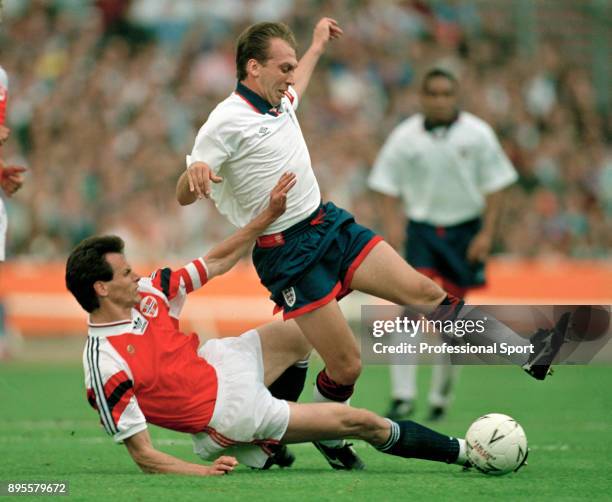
(253, 67)
(100, 288)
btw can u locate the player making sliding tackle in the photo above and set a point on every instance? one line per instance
(140, 368)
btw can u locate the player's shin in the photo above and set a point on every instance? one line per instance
(411, 440)
(496, 332)
(327, 390)
(287, 386)
(290, 384)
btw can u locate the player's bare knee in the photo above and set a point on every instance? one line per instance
(361, 423)
(346, 372)
(429, 291)
(302, 350)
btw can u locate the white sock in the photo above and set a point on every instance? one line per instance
(317, 397)
(462, 457)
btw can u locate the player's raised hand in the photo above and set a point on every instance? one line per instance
(326, 29)
(223, 465)
(200, 175)
(11, 178)
(278, 196)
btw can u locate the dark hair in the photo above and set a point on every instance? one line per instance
(437, 73)
(87, 264)
(253, 43)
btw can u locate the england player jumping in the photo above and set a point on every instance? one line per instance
(315, 253)
(140, 368)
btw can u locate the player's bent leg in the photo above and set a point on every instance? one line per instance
(385, 274)
(329, 333)
(282, 344)
(406, 438)
(285, 353)
(318, 421)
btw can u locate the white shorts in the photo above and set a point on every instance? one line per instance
(247, 419)
(3, 226)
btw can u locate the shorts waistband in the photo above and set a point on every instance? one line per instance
(279, 238)
(466, 224)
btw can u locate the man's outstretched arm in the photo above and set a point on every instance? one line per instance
(225, 255)
(326, 29)
(190, 183)
(154, 461)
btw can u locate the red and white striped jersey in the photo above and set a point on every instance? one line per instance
(144, 369)
(4, 83)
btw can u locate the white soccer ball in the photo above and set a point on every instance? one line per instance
(496, 444)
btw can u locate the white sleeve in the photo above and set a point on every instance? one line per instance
(110, 391)
(383, 177)
(4, 82)
(209, 147)
(496, 170)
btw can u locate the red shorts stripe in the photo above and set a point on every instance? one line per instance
(448, 285)
(314, 305)
(432, 273)
(218, 438)
(226, 442)
(348, 278)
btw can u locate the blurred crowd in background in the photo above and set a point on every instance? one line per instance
(106, 97)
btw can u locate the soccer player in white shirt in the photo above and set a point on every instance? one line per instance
(448, 170)
(315, 253)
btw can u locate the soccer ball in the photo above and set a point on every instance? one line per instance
(496, 444)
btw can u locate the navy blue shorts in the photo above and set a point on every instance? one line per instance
(441, 252)
(312, 262)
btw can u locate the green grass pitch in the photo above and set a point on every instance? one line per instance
(48, 432)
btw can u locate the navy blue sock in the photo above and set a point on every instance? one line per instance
(290, 384)
(411, 440)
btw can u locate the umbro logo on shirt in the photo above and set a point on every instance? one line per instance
(263, 131)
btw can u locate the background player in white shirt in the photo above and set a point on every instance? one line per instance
(447, 170)
(140, 368)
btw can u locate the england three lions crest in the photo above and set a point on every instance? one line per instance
(289, 296)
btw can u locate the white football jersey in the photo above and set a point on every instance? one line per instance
(442, 175)
(251, 145)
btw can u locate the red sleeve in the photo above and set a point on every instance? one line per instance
(193, 276)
